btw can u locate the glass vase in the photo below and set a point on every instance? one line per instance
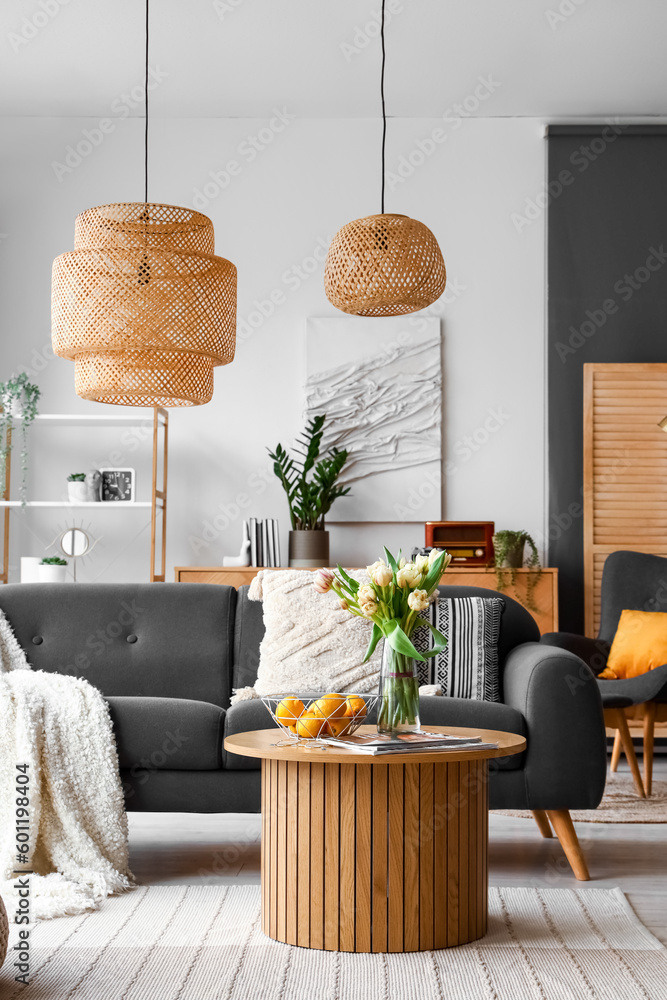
(398, 706)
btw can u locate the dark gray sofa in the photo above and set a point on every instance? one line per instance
(167, 657)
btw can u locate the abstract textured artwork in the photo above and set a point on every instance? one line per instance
(380, 383)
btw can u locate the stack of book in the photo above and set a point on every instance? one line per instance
(264, 542)
(427, 742)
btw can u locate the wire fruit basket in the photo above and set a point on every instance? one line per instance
(313, 718)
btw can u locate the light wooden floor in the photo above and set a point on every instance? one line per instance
(181, 848)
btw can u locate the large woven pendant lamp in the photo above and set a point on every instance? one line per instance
(142, 306)
(384, 265)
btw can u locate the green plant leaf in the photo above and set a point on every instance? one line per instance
(439, 643)
(353, 584)
(435, 572)
(391, 562)
(375, 638)
(399, 641)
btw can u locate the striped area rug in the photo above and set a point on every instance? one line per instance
(205, 943)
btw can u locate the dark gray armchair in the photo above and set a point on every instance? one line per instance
(630, 581)
(548, 696)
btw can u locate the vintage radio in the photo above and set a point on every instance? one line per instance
(469, 542)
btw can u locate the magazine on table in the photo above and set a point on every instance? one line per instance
(377, 743)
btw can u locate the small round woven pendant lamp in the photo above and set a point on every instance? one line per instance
(384, 265)
(143, 307)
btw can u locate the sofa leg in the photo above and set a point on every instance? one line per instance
(562, 824)
(543, 824)
(649, 729)
(621, 723)
(616, 752)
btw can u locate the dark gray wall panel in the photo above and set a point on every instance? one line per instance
(607, 300)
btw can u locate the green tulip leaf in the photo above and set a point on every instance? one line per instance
(399, 641)
(375, 638)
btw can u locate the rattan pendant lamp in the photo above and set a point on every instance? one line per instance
(384, 265)
(142, 306)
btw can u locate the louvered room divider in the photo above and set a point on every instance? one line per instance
(625, 469)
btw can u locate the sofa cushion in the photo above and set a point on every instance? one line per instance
(139, 639)
(310, 642)
(171, 734)
(244, 717)
(468, 665)
(248, 633)
(516, 626)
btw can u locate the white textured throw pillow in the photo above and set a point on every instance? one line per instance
(310, 644)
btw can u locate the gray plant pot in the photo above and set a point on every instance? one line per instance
(515, 556)
(308, 549)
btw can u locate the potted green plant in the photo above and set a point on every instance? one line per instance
(18, 400)
(310, 484)
(509, 551)
(77, 488)
(52, 569)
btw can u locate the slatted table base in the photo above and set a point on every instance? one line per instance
(375, 857)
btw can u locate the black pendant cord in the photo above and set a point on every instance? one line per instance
(146, 126)
(384, 112)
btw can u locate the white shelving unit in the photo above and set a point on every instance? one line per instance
(101, 505)
(158, 420)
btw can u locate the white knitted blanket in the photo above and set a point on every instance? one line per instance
(62, 814)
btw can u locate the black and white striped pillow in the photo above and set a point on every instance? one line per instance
(468, 666)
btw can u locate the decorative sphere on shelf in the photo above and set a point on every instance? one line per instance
(93, 484)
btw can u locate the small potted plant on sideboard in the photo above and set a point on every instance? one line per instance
(509, 550)
(310, 484)
(77, 488)
(52, 569)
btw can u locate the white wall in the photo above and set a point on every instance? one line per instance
(281, 209)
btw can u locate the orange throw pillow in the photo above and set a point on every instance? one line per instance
(640, 645)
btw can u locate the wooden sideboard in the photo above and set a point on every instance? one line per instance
(546, 592)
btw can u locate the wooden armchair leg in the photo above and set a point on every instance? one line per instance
(621, 723)
(616, 752)
(543, 824)
(649, 728)
(562, 824)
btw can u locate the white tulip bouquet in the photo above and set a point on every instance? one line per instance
(397, 591)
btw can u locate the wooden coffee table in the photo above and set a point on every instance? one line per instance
(374, 855)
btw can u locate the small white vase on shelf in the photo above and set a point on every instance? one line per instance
(52, 574)
(30, 569)
(77, 491)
